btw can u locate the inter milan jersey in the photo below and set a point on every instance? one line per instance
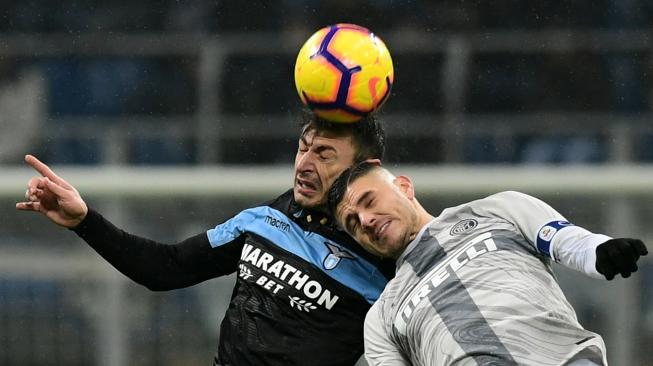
(476, 287)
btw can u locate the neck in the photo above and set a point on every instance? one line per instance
(320, 208)
(422, 219)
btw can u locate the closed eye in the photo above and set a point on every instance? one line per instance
(325, 152)
(327, 155)
(351, 223)
(370, 202)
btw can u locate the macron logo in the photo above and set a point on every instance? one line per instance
(279, 224)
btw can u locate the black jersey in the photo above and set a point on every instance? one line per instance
(303, 286)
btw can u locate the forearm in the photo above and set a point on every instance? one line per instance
(152, 264)
(575, 247)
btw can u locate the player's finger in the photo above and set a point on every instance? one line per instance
(639, 246)
(38, 195)
(625, 261)
(35, 182)
(33, 198)
(634, 246)
(625, 272)
(55, 188)
(43, 169)
(605, 266)
(623, 257)
(28, 206)
(607, 269)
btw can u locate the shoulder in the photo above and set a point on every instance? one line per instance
(504, 200)
(509, 196)
(284, 202)
(489, 205)
(374, 315)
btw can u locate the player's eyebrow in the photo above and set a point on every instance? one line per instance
(363, 197)
(320, 148)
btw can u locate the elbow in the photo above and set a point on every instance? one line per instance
(163, 280)
(155, 286)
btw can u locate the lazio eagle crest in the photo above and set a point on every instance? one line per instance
(335, 255)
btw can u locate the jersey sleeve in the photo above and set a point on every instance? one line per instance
(156, 265)
(380, 350)
(548, 231)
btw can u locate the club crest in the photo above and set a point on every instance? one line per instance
(463, 226)
(335, 255)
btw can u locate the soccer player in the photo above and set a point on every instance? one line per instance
(303, 285)
(474, 285)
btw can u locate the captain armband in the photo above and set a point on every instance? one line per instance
(546, 234)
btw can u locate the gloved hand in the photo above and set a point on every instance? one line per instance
(619, 255)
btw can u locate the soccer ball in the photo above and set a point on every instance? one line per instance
(343, 72)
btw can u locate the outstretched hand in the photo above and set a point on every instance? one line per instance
(619, 255)
(52, 196)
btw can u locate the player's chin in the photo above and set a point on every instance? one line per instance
(388, 252)
(307, 199)
(376, 249)
(386, 247)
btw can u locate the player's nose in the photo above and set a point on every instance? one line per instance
(305, 163)
(367, 219)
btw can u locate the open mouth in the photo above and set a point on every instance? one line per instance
(306, 185)
(380, 230)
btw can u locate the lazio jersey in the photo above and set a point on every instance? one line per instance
(302, 291)
(475, 287)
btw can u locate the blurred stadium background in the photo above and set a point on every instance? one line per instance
(170, 116)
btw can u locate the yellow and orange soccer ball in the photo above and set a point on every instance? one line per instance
(343, 72)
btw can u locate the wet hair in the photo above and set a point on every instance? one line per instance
(368, 135)
(339, 187)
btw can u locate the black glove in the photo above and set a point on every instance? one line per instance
(619, 255)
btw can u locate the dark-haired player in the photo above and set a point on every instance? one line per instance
(303, 286)
(474, 285)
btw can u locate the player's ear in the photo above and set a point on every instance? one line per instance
(374, 161)
(405, 185)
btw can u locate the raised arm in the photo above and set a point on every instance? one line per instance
(152, 264)
(155, 265)
(596, 255)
